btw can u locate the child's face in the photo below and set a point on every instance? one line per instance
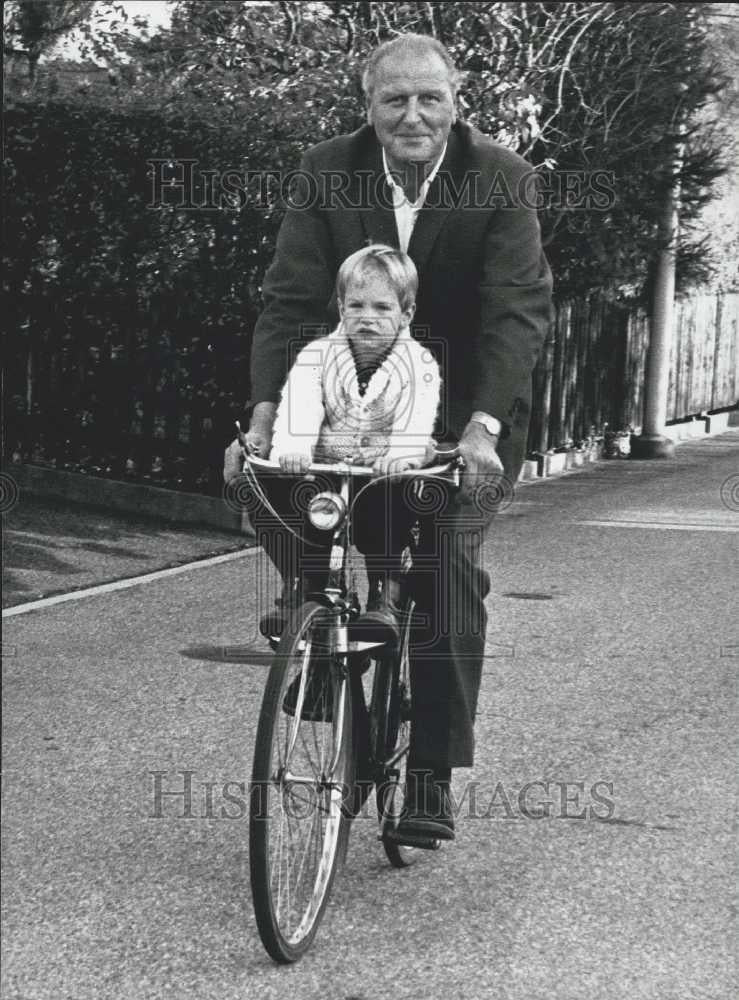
(372, 314)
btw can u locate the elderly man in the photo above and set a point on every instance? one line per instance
(463, 208)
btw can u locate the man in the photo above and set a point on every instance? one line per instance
(463, 208)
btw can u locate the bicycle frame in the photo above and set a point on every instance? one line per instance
(293, 856)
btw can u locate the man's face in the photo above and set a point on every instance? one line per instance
(412, 108)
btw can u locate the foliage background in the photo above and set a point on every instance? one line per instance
(120, 313)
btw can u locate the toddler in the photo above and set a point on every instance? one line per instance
(367, 394)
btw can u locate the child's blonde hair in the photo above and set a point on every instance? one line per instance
(395, 265)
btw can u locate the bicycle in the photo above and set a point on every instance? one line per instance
(313, 738)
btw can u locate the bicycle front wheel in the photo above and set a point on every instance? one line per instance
(302, 780)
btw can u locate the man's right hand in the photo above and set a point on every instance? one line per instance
(259, 435)
(258, 441)
(233, 461)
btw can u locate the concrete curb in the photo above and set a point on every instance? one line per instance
(556, 463)
(130, 498)
(705, 424)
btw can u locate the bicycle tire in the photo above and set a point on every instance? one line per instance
(390, 736)
(291, 880)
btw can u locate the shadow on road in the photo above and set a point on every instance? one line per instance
(230, 654)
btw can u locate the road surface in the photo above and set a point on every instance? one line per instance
(596, 846)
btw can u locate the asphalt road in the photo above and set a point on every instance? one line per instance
(610, 679)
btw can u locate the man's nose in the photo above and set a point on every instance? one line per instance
(412, 114)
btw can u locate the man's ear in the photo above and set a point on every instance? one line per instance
(409, 313)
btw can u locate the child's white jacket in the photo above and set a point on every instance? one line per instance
(321, 413)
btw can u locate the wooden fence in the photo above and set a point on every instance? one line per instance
(592, 368)
(152, 407)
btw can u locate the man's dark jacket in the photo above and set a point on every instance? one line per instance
(484, 299)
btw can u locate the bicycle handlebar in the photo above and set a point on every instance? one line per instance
(344, 469)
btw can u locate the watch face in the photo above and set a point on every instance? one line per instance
(491, 425)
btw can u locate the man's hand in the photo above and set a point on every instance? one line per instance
(233, 461)
(258, 441)
(296, 464)
(259, 435)
(478, 449)
(389, 465)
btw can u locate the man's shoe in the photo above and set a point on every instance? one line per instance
(427, 812)
(381, 621)
(272, 626)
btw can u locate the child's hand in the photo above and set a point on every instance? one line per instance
(295, 463)
(389, 465)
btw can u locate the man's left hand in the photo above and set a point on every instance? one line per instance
(478, 448)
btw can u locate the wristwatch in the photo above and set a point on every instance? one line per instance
(491, 424)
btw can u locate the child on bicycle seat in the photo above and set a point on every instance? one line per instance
(366, 394)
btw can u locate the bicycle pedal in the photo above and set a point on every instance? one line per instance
(408, 840)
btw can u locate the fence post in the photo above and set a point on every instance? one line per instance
(545, 407)
(652, 443)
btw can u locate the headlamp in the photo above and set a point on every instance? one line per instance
(326, 511)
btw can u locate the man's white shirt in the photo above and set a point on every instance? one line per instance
(406, 212)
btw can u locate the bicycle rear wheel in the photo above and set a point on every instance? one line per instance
(390, 740)
(302, 779)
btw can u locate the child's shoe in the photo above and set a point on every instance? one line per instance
(273, 625)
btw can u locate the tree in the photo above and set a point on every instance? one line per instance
(99, 31)
(34, 26)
